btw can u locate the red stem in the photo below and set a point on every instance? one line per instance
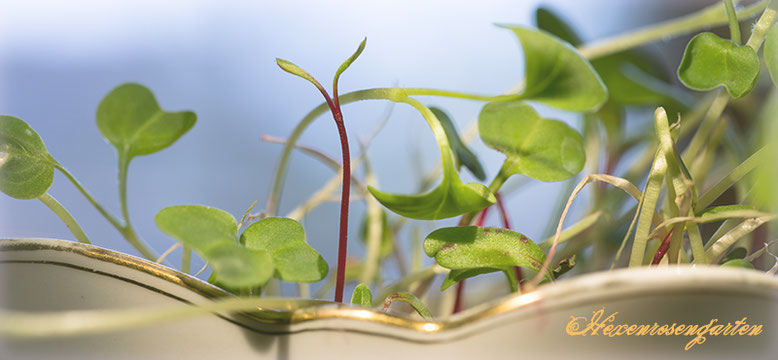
(663, 247)
(344, 202)
(506, 224)
(458, 303)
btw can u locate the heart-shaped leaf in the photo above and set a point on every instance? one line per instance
(710, 61)
(468, 247)
(362, 296)
(130, 119)
(451, 197)
(26, 168)
(213, 233)
(546, 150)
(771, 53)
(556, 74)
(462, 154)
(284, 239)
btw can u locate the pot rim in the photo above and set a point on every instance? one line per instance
(288, 315)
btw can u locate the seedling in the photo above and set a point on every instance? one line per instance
(703, 196)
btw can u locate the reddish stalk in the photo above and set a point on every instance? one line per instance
(458, 303)
(337, 115)
(663, 247)
(507, 224)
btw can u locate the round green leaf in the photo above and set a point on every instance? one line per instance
(546, 150)
(710, 62)
(468, 247)
(284, 239)
(362, 296)
(771, 53)
(213, 233)
(556, 74)
(237, 267)
(130, 119)
(26, 168)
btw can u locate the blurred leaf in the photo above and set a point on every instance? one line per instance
(411, 299)
(738, 253)
(462, 154)
(738, 263)
(710, 61)
(26, 168)
(362, 296)
(213, 233)
(564, 266)
(556, 74)
(546, 20)
(130, 119)
(546, 150)
(284, 239)
(468, 247)
(771, 53)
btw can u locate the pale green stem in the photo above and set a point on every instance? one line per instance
(375, 230)
(65, 216)
(763, 25)
(734, 27)
(407, 281)
(573, 230)
(709, 17)
(186, 259)
(127, 230)
(734, 176)
(111, 219)
(652, 190)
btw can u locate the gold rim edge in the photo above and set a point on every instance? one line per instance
(323, 310)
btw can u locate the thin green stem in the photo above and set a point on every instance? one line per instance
(734, 27)
(65, 216)
(186, 259)
(734, 176)
(111, 219)
(391, 94)
(127, 230)
(714, 15)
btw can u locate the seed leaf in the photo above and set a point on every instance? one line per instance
(284, 239)
(451, 197)
(771, 53)
(213, 233)
(710, 61)
(132, 121)
(349, 61)
(556, 74)
(738, 263)
(26, 168)
(468, 247)
(362, 296)
(462, 154)
(546, 150)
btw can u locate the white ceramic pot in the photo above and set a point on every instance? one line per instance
(54, 275)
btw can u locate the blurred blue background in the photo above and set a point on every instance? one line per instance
(216, 58)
